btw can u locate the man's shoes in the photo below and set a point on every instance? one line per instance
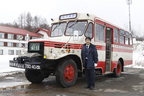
(91, 88)
(87, 86)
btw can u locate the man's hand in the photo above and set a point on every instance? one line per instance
(95, 64)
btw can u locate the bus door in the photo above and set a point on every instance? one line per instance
(108, 49)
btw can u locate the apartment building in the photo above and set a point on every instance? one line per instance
(9, 40)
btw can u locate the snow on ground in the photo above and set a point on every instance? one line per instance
(4, 65)
(12, 84)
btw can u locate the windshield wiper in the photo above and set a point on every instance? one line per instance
(72, 24)
(56, 27)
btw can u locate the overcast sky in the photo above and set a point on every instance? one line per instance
(115, 11)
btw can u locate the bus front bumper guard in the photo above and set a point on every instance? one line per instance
(26, 65)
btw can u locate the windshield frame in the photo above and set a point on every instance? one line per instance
(58, 25)
(76, 21)
(92, 29)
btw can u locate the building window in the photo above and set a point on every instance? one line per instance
(1, 43)
(89, 31)
(99, 32)
(1, 52)
(122, 39)
(11, 52)
(116, 35)
(10, 44)
(26, 45)
(17, 44)
(18, 37)
(18, 52)
(10, 36)
(126, 41)
(1, 35)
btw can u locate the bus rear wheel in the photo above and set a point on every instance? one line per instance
(117, 70)
(34, 76)
(66, 73)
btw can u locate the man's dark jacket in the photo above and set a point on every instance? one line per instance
(92, 56)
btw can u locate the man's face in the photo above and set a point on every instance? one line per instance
(87, 41)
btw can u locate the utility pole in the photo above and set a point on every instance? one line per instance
(129, 2)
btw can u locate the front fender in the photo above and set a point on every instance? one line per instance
(58, 56)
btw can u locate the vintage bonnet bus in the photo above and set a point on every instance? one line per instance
(60, 54)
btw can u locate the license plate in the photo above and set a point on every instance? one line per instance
(24, 66)
(29, 66)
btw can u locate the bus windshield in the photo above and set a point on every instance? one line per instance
(76, 25)
(58, 29)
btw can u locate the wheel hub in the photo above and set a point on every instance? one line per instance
(69, 73)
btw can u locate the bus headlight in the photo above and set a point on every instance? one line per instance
(54, 53)
(45, 56)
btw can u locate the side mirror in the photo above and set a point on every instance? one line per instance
(76, 36)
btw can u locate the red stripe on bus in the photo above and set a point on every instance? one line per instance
(121, 50)
(79, 46)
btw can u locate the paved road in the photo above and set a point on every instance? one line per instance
(131, 83)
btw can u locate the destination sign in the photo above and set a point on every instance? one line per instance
(68, 16)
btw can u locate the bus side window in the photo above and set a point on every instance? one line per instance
(127, 38)
(121, 39)
(122, 33)
(116, 35)
(89, 31)
(99, 32)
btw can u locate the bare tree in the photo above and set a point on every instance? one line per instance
(26, 21)
(15, 24)
(20, 21)
(36, 22)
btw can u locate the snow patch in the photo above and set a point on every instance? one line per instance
(4, 65)
(9, 73)
(12, 84)
(115, 90)
(138, 54)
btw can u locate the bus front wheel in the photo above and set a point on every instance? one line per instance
(34, 76)
(66, 73)
(117, 70)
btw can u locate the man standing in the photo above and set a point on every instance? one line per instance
(89, 58)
